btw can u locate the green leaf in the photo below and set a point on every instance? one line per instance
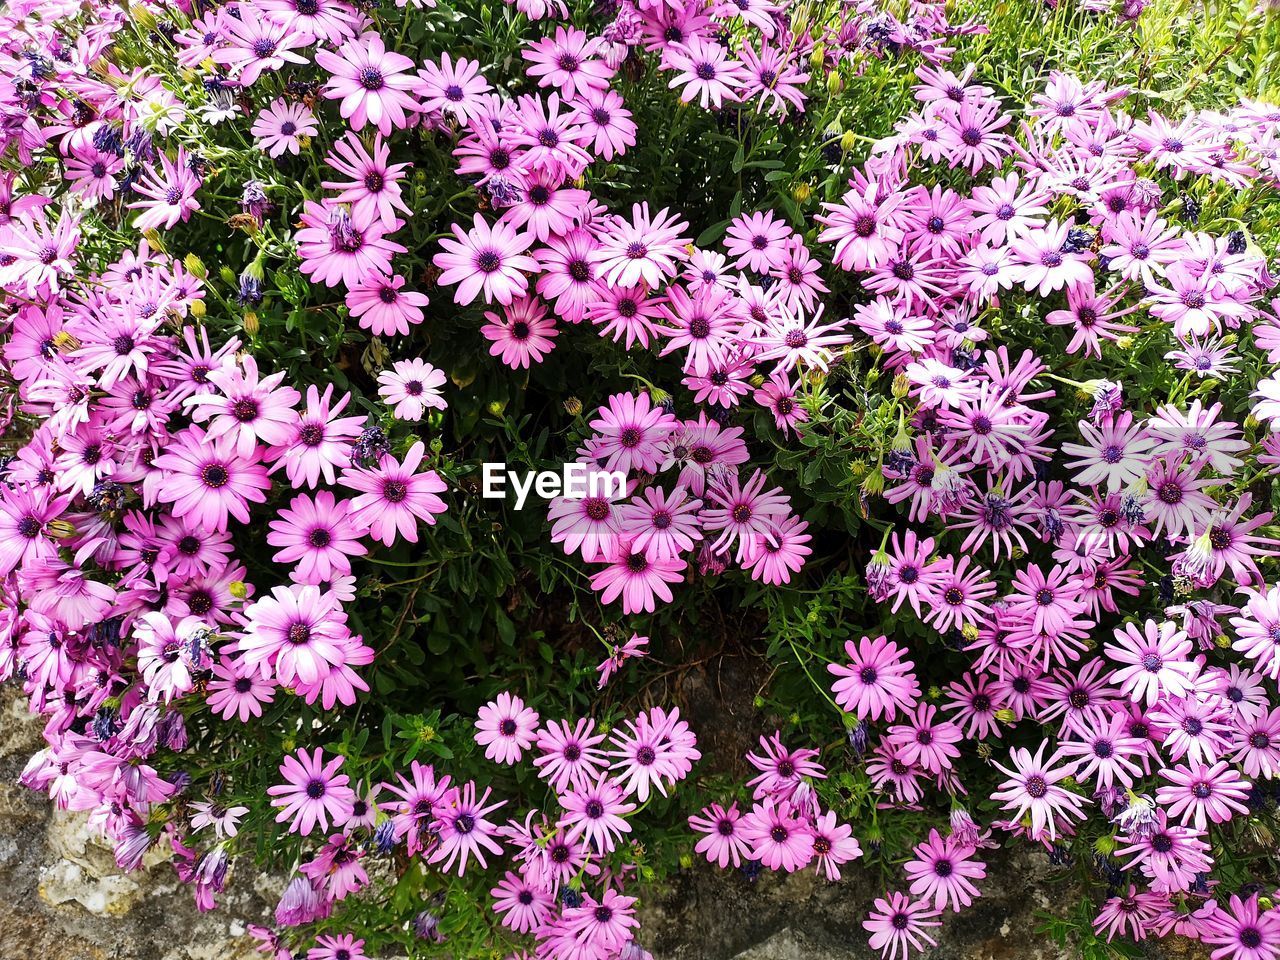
(712, 233)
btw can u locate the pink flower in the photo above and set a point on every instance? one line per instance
(208, 481)
(833, 844)
(779, 838)
(343, 246)
(256, 43)
(383, 306)
(1200, 793)
(464, 832)
(455, 87)
(706, 72)
(171, 194)
(523, 906)
(877, 680)
(313, 792)
(570, 755)
(506, 728)
(411, 387)
(393, 497)
(1242, 931)
(246, 409)
(1157, 661)
(298, 632)
(567, 60)
(654, 750)
(486, 259)
(237, 689)
(757, 241)
(318, 535)
(898, 925)
(372, 186)
(343, 947)
(632, 649)
(636, 578)
(780, 552)
(723, 841)
(596, 812)
(522, 334)
(631, 430)
(645, 248)
(942, 870)
(1032, 788)
(371, 83)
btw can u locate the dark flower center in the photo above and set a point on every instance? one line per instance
(214, 475)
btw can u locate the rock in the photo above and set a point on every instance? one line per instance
(66, 881)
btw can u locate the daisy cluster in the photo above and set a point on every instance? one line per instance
(191, 531)
(561, 887)
(1049, 533)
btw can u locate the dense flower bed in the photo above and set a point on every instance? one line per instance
(933, 347)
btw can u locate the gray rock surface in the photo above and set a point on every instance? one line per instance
(803, 917)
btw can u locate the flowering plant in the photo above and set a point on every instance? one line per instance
(933, 349)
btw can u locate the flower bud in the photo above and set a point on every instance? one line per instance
(901, 385)
(195, 266)
(801, 192)
(238, 590)
(153, 238)
(250, 323)
(847, 140)
(835, 83)
(65, 342)
(142, 17)
(572, 406)
(61, 529)
(197, 308)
